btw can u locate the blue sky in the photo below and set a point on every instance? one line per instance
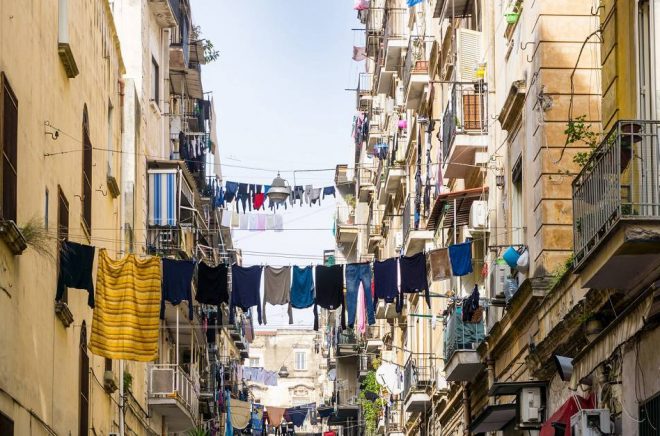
(278, 88)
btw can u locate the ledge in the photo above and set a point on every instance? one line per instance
(69, 62)
(63, 313)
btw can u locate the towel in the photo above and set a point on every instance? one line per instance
(277, 288)
(270, 222)
(261, 221)
(76, 264)
(278, 223)
(226, 218)
(125, 323)
(235, 219)
(275, 415)
(252, 226)
(241, 412)
(460, 256)
(440, 266)
(243, 222)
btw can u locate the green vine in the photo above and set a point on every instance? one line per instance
(371, 410)
(210, 53)
(577, 130)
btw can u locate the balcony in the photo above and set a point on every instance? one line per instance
(418, 378)
(616, 208)
(464, 130)
(347, 229)
(394, 175)
(347, 344)
(163, 13)
(374, 229)
(173, 395)
(414, 239)
(385, 310)
(415, 72)
(461, 342)
(451, 8)
(394, 37)
(363, 91)
(366, 185)
(374, 339)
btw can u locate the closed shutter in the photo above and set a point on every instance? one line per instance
(469, 54)
(9, 150)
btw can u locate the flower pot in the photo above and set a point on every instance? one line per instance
(512, 17)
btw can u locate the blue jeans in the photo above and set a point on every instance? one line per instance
(357, 273)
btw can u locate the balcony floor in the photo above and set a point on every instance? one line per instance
(417, 240)
(462, 154)
(176, 416)
(463, 365)
(417, 401)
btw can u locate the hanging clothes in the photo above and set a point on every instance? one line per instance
(231, 188)
(226, 218)
(329, 291)
(302, 287)
(329, 190)
(177, 284)
(386, 280)
(229, 428)
(439, 262)
(245, 285)
(314, 196)
(361, 311)
(275, 415)
(358, 274)
(256, 420)
(76, 263)
(413, 275)
(470, 305)
(125, 322)
(460, 256)
(212, 285)
(277, 288)
(296, 415)
(241, 412)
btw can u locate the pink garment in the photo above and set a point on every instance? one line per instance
(359, 53)
(361, 311)
(360, 5)
(261, 221)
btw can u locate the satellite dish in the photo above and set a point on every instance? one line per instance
(388, 375)
(332, 374)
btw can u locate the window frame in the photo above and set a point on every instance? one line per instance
(8, 161)
(87, 168)
(62, 231)
(155, 82)
(297, 353)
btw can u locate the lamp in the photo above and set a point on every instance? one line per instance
(564, 366)
(283, 372)
(279, 190)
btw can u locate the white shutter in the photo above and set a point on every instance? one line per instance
(468, 46)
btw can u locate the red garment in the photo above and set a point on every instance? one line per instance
(258, 200)
(329, 433)
(564, 413)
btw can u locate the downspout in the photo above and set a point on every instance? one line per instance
(466, 409)
(122, 85)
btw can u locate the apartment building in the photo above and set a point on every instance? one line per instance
(95, 108)
(520, 127)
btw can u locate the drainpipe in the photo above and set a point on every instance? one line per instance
(490, 365)
(466, 410)
(122, 86)
(121, 398)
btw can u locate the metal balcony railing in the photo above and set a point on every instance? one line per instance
(461, 335)
(394, 23)
(365, 83)
(465, 113)
(419, 372)
(407, 219)
(374, 20)
(621, 181)
(171, 381)
(416, 61)
(366, 176)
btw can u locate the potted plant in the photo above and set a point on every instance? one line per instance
(512, 14)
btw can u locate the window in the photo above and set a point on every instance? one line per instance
(649, 416)
(83, 402)
(62, 228)
(254, 362)
(517, 213)
(86, 176)
(301, 361)
(155, 81)
(9, 150)
(46, 200)
(649, 68)
(108, 364)
(111, 144)
(6, 425)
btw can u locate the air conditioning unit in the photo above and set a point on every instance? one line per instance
(591, 422)
(479, 215)
(530, 406)
(498, 275)
(109, 382)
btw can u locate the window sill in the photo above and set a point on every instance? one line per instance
(63, 313)
(11, 234)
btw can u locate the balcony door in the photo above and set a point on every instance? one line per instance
(648, 53)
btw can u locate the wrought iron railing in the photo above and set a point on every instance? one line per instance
(171, 381)
(460, 335)
(465, 113)
(407, 219)
(419, 372)
(394, 23)
(416, 61)
(621, 181)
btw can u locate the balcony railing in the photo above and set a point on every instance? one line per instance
(465, 113)
(407, 218)
(395, 21)
(621, 181)
(461, 335)
(419, 372)
(416, 61)
(365, 83)
(167, 381)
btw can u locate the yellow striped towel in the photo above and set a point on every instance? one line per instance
(126, 317)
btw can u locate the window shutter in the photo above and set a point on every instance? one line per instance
(469, 54)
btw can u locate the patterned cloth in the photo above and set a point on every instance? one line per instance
(125, 323)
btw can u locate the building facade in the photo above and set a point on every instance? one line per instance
(99, 105)
(522, 128)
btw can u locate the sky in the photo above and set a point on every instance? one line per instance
(281, 104)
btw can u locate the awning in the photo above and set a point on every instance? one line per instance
(444, 206)
(563, 415)
(493, 418)
(162, 198)
(513, 388)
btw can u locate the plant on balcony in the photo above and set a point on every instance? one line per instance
(371, 409)
(37, 237)
(578, 131)
(210, 53)
(198, 431)
(128, 381)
